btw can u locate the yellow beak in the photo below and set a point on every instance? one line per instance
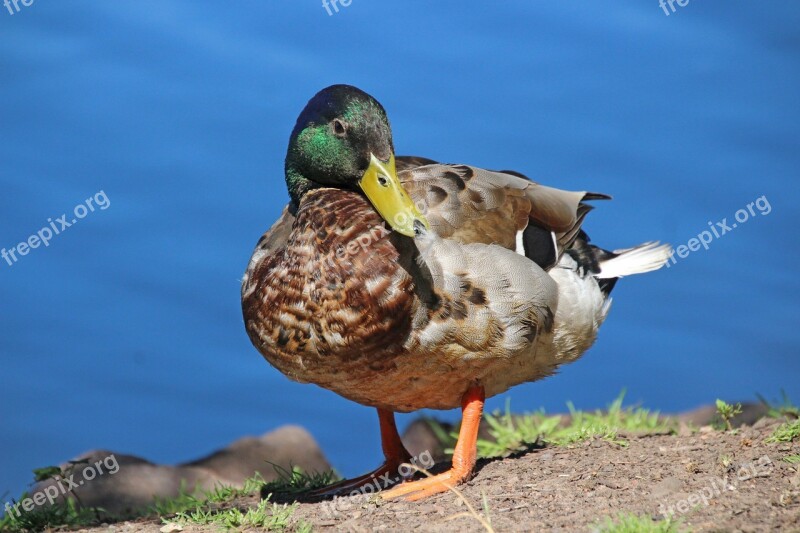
(389, 198)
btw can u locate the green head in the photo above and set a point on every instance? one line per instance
(342, 139)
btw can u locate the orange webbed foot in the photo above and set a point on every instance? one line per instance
(464, 456)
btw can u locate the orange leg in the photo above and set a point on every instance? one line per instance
(385, 475)
(464, 455)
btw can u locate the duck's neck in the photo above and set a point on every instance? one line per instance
(297, 184)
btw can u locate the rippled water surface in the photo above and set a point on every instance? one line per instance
(125, 332)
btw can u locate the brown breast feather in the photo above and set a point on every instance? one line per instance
(335, 300)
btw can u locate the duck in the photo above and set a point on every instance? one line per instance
(402, 283)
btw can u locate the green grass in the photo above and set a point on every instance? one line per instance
(726, 412)
(792, 459)
(784, 408)
(220, 494)
(725, 461)
(629, 523)
(511, 434)
(266, 515)
(214, 508)
(295, 482)
(64, 515)
(786, 432)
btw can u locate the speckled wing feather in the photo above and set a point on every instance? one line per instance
(500, 301)
(408, 162)
(470, 204)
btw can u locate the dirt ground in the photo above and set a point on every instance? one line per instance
(711, 480)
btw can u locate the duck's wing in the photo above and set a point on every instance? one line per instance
(407, 162)
(473, 205)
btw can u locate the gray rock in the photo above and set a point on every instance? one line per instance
(702, 416)
(420, 437)
(125, 484)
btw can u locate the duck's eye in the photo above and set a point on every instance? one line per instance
(338, 128)
(383, 181)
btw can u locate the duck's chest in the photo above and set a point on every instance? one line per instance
(336, 295)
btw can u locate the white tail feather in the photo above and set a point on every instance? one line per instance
(637, 260)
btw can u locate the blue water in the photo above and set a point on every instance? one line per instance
(125, 332)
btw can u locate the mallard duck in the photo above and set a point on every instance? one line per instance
(402, 283)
